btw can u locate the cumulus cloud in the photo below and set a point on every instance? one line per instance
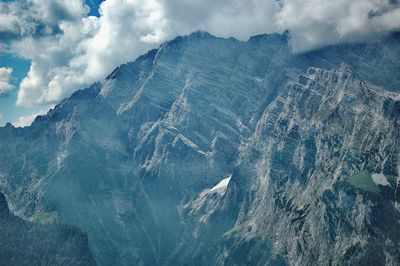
(37, 18)
(70, 50)
(314, 23)
(226, 18)
(5, 80)
(87, 49)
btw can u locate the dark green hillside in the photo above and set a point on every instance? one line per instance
(27, 243)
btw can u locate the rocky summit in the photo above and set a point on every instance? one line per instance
(215, 151)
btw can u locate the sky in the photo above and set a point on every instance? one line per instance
(50, 48)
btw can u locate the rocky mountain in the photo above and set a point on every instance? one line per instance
(218, 151)
(27, 243)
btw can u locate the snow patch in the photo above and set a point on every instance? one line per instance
(380, 179)
(221, 186)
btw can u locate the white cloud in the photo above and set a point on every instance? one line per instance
(313, 23)
(89, 48)
(69, 50)
(37, 18)
(5, 80)
(236, 18)
(27, 120)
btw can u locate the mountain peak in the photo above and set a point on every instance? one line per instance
(271, 38)
(123, 158)
(201, 34)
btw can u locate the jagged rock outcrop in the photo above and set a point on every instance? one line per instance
(317, 183)
(305, 156)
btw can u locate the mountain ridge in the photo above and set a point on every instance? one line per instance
(133, 160)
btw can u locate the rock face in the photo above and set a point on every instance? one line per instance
(304, 182)
(27, 243)
(211, 150)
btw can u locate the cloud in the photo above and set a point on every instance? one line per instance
(314, 23)
(24, 121)
(69, 49)
(87, 49)
(36, 18)
(5, 80)
(236, 18)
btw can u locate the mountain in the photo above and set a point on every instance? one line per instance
(217, 151)
(27, 243)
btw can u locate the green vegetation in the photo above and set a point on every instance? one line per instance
(27, 243)
(363, 180)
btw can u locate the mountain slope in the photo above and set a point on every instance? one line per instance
(134, 160)
(319, 176)
(26, 243)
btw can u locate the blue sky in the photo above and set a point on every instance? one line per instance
(7, 103)
(94, 7)
(9, 111)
